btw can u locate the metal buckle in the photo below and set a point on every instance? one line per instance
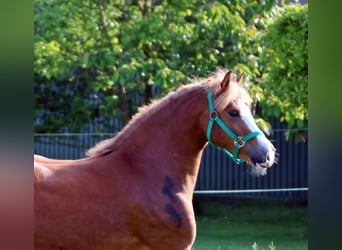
(213, 115)
(239, 142)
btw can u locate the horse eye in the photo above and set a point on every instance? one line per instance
(234, 113)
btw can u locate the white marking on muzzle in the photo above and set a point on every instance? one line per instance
(248, 119)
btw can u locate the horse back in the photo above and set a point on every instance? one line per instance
(44, 167)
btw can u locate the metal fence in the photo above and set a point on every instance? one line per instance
(218, 175)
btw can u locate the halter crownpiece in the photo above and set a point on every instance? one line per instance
(239, 141)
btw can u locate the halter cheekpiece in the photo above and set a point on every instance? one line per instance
(239, 141)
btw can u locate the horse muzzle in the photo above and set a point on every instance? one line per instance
(263, 155)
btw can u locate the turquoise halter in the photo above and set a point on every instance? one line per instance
(239, 141)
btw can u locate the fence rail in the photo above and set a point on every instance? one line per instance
(241, 191)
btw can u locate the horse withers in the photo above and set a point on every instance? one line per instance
(134, 191)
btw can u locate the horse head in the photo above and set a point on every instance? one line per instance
(232, 127)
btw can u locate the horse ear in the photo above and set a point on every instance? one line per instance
(225, 82)
(240, 79)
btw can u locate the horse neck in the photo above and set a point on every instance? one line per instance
(171, 142)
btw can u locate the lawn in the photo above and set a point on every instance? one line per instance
(267, 225)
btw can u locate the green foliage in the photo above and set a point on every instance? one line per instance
(93, 57)
(284, 65)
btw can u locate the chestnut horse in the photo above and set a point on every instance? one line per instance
(134, 191)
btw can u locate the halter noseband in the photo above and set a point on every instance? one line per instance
(239, 141)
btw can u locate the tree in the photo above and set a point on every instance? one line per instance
(284, 66)
(99, 59)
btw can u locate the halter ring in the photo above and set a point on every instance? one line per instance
(213, 115)
(239, 142)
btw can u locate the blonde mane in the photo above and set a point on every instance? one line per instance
(223, 97)
(221, 101)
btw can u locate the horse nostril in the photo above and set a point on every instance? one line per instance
(268, 157)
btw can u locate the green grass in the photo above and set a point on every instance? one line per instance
(251, 225)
